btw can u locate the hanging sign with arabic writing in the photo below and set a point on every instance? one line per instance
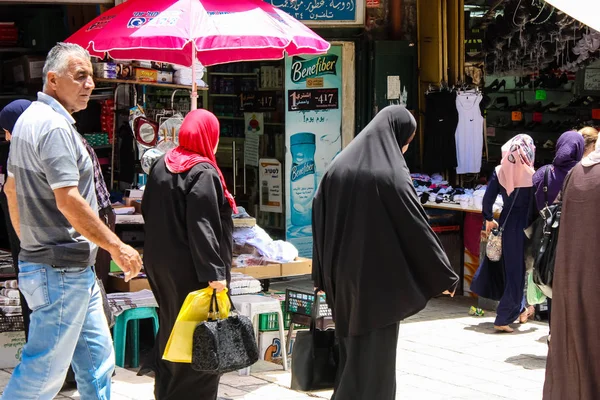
(324, 12)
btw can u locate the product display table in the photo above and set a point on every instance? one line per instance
(302, 266)
(455, 248)
(455, 207)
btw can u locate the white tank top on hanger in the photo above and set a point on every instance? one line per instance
(469, 133)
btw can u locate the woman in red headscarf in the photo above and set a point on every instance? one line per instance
(188, 243)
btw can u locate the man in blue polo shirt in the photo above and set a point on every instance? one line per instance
(52, 202)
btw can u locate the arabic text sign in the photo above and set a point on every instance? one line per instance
(322, 11)
(258, 101)
(313, 99)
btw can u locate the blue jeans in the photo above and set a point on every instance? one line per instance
(68, 326)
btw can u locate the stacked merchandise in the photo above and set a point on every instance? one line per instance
(244, 284)
(11, 316)
(148, 72)
(119, 302)
(183, 75)
(107, 119)
(6, 264)
(434, 189)
(253, 246)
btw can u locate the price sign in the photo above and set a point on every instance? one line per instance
(516, 116)
(313, 99)
(540, 95)
(596, 113)
(258, 101)
(537, 117)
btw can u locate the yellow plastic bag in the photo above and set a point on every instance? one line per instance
(194, 310)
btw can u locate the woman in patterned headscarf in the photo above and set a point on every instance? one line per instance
(505, 280)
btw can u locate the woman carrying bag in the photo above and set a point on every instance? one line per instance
(549, 179)
(501, 275)
(187, 211)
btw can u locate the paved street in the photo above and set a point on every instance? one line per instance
(443, 353)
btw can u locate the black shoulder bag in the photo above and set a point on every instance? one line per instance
(543, 234)
(316, 357)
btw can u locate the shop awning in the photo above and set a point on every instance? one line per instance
(93, 2)
(586, 11)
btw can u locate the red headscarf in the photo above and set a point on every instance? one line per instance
(198, 137)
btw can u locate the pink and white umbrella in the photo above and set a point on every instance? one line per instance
(210, 31)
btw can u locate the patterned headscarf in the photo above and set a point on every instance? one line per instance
(516, 168)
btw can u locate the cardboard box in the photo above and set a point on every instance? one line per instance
(133, 202)
(244, 222)
(164, 77)
(134, 193)
(118, 284)
(269, 345)
(11, 347)
(261, 271)
(302, 266)
(137, 203)
(145, 75)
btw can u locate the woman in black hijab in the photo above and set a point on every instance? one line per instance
(375, 255)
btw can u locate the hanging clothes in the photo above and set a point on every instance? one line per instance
(441, 120)
(469, 133)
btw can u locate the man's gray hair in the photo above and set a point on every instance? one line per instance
(58, 58)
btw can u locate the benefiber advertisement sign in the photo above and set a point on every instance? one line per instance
(313, 126)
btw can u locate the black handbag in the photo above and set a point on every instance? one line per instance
(543, 236)
(223, 345)
(316, 358)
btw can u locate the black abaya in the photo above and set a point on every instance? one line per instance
(367, 366)
(188, 243)
(375, 255)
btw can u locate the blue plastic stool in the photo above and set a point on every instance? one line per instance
(120, 333)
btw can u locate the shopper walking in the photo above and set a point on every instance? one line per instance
(8, 118)
(572, 369)
(375, 255)
(52, 204)
(569, 151)
(505, 280)
(188, 246)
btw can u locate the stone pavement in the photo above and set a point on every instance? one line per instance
(443, 353)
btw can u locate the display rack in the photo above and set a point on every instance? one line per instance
(229, 84)
(124, 83)
(165, 85)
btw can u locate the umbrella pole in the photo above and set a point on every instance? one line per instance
(194, 86)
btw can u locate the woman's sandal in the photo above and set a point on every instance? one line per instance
(526, 315)
(504, 328)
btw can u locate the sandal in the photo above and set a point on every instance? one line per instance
(526, 315)
(503, 328)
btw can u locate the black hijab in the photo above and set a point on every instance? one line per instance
(375, 254)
